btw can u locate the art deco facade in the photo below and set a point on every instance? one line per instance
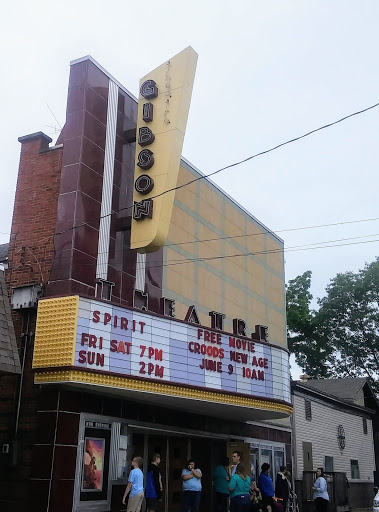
(181, 350)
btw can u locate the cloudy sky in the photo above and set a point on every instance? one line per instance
(268, 71)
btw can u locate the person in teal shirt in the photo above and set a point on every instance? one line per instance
(221, 483)
(239, 487)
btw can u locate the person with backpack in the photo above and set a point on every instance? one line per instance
(153, 489)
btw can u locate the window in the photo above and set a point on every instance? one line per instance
(364, 420)
(329, 464)
(308, 410)
(272, 454)
(354, 467)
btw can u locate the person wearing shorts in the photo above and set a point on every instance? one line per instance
(134, 487)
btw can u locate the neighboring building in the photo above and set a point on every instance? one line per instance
(9, 358)
(135, 353)
(333, 428)
(4, 256)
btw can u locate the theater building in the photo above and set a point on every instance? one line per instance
(150, 321)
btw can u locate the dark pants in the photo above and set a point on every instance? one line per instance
(191, 499)
(221, 502)
(240, 503)
(321, 505)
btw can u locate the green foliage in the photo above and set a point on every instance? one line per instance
(341, 338)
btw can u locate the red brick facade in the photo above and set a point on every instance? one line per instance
(31, 246)
(31, 251)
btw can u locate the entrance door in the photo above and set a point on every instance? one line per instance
(178, 456)
(175, 452)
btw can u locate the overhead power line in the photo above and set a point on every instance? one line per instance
(274, 148)
(204, 176)
(305, 247)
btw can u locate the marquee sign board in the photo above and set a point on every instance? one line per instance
(137, 344)
(163, 106)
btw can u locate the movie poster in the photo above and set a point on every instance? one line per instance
(93, 464)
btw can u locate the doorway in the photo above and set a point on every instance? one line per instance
(175, 452)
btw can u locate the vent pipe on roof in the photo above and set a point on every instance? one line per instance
(304, 378)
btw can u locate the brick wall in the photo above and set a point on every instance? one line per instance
(31, 246)
(31, 251)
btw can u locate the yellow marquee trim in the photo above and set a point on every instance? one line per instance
(55, 338)
(154, 387)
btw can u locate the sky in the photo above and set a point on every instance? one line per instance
(268, 71)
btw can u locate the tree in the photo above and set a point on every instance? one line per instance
(341, 338)
(303, 333)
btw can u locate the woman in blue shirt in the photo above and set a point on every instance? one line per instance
(266, 485)
(191, 486)
(239, 487)
(320, 495)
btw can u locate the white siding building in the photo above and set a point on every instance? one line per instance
(336, 434)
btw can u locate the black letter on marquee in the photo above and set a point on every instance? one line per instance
(149, 89)
(260, 334)
(168, 307)
(140, 300)
(143, 209)
(145, 136)
(147, 112)
(145, 159)
(239, 327)
(217, 320)
(144, 184)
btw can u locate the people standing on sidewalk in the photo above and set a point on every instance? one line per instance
(266, 486)
(282, 486)
(221, 482)
(153, 489)
(239, 488)
(236, 459)
(320, 488)
(134, 487)
(191, 486)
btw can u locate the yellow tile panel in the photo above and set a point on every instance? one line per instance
(255, 277)
(210, 301)
(235, 295)
(256, 312)
(255, 240)
(275, 290)
(180, 238)
(232, 310)
(187, 197)
(56, 332)
(235, 233)
(211, 206)
(233, 269)
(184, 221)
(208, 281)
(179, 284)
(210, 197)
(277, 326)
(234, 222)
(274, 258)
(210, 255)
(179, 264)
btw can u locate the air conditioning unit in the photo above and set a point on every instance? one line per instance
(24, 297)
